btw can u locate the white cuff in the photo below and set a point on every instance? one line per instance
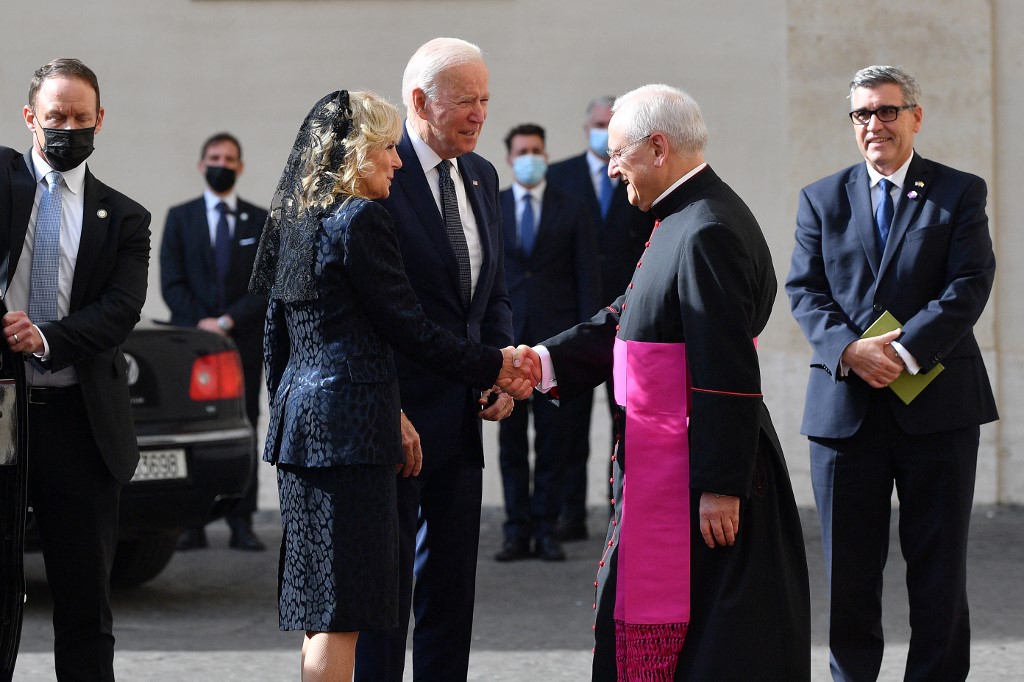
(547, 379)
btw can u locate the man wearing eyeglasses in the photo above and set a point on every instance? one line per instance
(908, 236)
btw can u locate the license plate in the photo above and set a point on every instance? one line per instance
(160, 465)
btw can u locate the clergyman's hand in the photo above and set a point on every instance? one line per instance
(412, 448)
(719, 519)
(874, 359)
(520, 372)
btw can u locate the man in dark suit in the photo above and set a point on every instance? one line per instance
(75, 257)
(552, 278)
(621, 231)
(902, 234)
(206, 259)
(444, 201)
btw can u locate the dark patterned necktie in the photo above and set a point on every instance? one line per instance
(453, 225)
(527, 227)
(222, 251)
(43, 280)
(884, 212)
(607, 191)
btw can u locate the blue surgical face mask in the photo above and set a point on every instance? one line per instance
(529, 169)
(599, 141)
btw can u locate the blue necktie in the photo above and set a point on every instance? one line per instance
(527, 227)
(607, 190)
(42, 298)
(884, 212)
(453, 226)
(222, 251)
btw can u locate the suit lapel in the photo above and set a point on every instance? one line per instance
(858, 193)
(474, 192)
(23, 195)
(199, 237)
(95, 224)
(510, 230)
(907, 209)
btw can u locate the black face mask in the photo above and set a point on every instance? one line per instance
(66, 149)
(220, 178)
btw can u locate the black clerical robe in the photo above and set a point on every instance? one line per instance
(683, 339)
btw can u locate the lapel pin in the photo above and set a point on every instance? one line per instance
(919, 183)
(102, 213)
(243, 216)
(911, 194)
(475, 183)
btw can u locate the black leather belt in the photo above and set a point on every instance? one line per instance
(50, 395)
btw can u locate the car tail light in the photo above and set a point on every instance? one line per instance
(217, 376)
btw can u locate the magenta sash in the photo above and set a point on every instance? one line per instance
(652, 596)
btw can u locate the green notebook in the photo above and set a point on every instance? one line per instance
(907, 386)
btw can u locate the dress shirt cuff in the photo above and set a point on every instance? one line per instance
(547, 380)
(45, 355)
(909, 361)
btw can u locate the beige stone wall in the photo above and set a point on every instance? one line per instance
(770, 76)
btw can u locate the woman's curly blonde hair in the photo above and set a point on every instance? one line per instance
(376, 124)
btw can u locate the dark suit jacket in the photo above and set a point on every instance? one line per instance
(107, 294)
(557, 285)
(620, 236)
(330, 369)
(438, 407)
(187, 278)
(935, 277)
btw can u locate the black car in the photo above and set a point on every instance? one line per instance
(195, 442)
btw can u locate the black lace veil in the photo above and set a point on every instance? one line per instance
(285, 258)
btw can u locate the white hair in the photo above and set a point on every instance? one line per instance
(431, 60)
(663, 108)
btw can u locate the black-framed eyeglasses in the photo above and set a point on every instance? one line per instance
(886, 114)
(616, 154)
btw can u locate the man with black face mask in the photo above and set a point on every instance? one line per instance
(74, 260)
(206, 258)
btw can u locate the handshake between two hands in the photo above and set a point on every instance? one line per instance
(520, 371)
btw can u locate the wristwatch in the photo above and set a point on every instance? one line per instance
(222, 322)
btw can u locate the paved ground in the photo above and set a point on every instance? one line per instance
(212, 614)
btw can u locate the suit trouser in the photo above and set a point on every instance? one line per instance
(439, 537)
(557, 435)
(853, 481)
(574, 496)
(75, 499)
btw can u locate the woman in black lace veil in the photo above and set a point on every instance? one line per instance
(330, 264)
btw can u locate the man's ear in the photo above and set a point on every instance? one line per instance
(660, 145)
(419, 102)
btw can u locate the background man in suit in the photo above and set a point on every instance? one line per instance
(444, 201)
(552, 279)
(206, 259)
(621, 231)
(75, 255)
(906, 235)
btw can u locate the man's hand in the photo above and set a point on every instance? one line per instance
(874, 359)
(413, 450)
(520, 372)
(500, 408)
(719, 519)
(212, 324)
(523, 369)
(21, 335)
